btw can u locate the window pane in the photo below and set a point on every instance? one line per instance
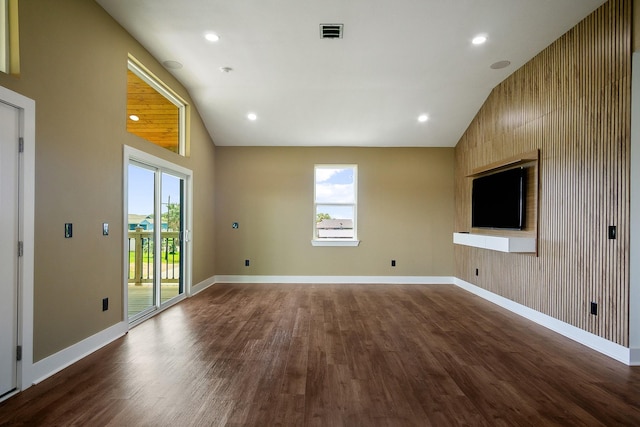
(150, 115)
(9, 35)
(335, 185)
(171, 250)
(335, 222)
(4, 36)
(141, 203)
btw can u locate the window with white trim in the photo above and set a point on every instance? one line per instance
(335, 205)
(9, 57)
(154, 111)
(4, 36)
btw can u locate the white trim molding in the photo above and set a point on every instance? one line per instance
(345, 280)
(27, 178)
(53, 364)
(201, 286)
(599, 344)
(634, 215)
(334, 242)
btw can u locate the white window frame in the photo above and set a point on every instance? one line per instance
(133, 155)
(9, 34)
(317, 241)
(139, 70)
(4, 36)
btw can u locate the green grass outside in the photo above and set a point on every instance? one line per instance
(169, 258)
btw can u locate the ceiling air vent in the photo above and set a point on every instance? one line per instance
(331, 31)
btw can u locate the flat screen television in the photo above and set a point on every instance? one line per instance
(498, 200)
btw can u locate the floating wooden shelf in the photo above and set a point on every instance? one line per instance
(524, 158)
(496, 243)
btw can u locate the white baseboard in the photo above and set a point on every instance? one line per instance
(383, 280)
(606, 347)
(202, 285)
(634, 357)
(53, 364)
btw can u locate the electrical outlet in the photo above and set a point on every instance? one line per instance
(246, 263)
(594, 308)
(393, 263)
(105, 304)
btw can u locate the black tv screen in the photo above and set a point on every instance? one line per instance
(498, 200)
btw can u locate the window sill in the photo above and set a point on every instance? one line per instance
(335, 242)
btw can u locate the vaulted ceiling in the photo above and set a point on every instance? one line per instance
(396, 60)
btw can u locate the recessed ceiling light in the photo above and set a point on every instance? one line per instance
(134, 117)
(212, 37)
(252, 116)
(479, 39)
(423, 118)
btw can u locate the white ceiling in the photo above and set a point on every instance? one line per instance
(397, 59)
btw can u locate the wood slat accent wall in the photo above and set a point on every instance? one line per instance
(572, 102)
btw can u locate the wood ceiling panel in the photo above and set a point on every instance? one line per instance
(158, 117)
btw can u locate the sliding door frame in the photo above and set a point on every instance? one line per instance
(162, 166)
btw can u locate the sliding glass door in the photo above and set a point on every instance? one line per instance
(171, 237)
(156, 234)
(141, 290)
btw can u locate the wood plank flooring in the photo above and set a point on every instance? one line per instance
(332, 355)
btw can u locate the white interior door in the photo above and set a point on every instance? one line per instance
(9, 134)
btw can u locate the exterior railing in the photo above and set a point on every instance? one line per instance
(141, 253)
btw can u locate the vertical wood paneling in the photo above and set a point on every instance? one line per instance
(572, 102)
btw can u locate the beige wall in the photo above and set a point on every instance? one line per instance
(572, 102)
(73, 64)
(405, 212)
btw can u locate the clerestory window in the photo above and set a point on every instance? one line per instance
(154, 112)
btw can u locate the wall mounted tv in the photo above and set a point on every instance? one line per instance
(498, 200)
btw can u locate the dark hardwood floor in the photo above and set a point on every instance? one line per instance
(330, 355)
